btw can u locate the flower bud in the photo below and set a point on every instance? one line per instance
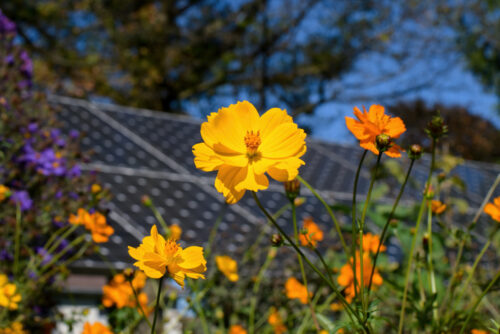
(394, 222)
(436, 127)
(95, 188)
(277, 240)
(384, 142)
(146, 201)
(415, 152)
(292, 189)
(441, 177)
(299, 201)
(425, 242)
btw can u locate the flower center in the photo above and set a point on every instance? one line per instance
(252, 141)
(171, 248)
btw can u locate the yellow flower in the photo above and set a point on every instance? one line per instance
(95, 188)
(4, 192)
(228, 267)
(276, 321)
(336, 306)
(373, 123)
(14, 328)
(313, 235)
(96, 328)
(296, 290)
(370, 243)
(493, 209)
(242, 146)
(237, 329)
(155, 256)
(175, 231)
(437, 207)
(8, 296)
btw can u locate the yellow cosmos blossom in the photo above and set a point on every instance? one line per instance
(4, 192)
(493, 209)
(296, 290)
(96, 328)
(14, 328)
(242, 146)
(373, 123)
(156, 256)
(237, 329)
(175, 231)
(437, 207)
(8, 296)
(228, 267)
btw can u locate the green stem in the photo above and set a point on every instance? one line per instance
(313, 267)
(63, 252)
(387, 223)
(160, 219)
(329, 210)
(199, 309)
(432, 278)
(301, 264)
(471, 312)
(253, 302)
(160, 285)
(323, 262)
(355, 223)
(213, 231)
(63, 237)
(17, 239)
(414, 239)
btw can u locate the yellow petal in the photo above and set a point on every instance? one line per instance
(271, 119)
(284, 141)
(205, 158)
(227, 179)
(253, 181)
(192, 257)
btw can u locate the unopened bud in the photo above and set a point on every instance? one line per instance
(384, 142)
(394, 222)
(436, 127)
(277, 240)
(425, 242)
(441, 177)
(412, 231)
(415, 152)
(292, 189)
(146, 201)
(299, 201)
(219, 314)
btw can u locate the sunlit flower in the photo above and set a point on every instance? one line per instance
(156, 256)
(175, 231)
(346, 277)
(437, 207)
(8, 296)
(370, 243)
(313, 235)
(295, 289)
(493, 209)
(373, 123)
(242, 146)
(94, 222)
(4, 192)
(478, 331)
(237, 329)
(228, 267)
(119, 293)
(276, 321)
(96, 328)
(14, 328)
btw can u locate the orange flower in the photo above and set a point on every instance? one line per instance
(336, 306)
(96, 328)
(295, 289)
(493, 209)
(373, 123)
(437, 207)
(478, 331)
(237, 329)
(95, 223)
(276, 321)
(119, 292)
(370, 243)
(14, 328)
(175, 231)
(313, 235)
(346, 277)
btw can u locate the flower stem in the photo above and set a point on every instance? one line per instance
(329, 210)
(301, 264)
(471, 312)
(414, 239)
(430, 265)
(313, 267)
(160, 285)
(213, 231)
(387, 223)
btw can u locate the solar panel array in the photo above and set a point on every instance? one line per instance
(140, 152)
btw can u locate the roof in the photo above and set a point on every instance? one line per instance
(142, 152)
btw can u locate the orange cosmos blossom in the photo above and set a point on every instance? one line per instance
(242, 146)
(313, 235)
(96, 328)
(119, 292)
(296, 290)
(156, 256)
(373, 123)
(493, 209)
(437, 207)
(276, 321)
(346, 277)
(95, 223)
(478, 331)
(370, 243)
(237, 329)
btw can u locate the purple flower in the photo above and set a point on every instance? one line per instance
(32, 127)
(21, 198)
(46, 256)
(7, 27)
(9, 59)
(74, 171)
(46, 162)
(74, 134)
(59, 194)
(5, 255)
(26, 64)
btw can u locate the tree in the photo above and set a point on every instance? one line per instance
(469, 136)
